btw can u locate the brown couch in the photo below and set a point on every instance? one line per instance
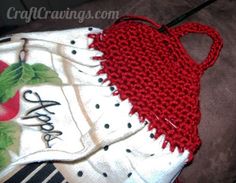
(215, 162)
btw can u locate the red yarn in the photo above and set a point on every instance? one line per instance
(9, 109)
(154, 72)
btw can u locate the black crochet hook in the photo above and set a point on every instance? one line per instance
(186, 15)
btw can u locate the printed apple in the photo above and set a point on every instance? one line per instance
(9, 109)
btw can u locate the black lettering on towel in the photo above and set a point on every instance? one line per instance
(45, 124)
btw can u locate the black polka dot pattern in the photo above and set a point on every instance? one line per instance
(97, 106)
(106, 148)
(129, 125)
(128, 150)
(72, 42)
(129, 174)
(74, 52)
(106, 126)
(104, 174)
(100, 80)
(112, 88)
(90, 28)
(151, 135)
(80, 173)
(117, 104)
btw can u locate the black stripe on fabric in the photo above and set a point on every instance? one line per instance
(23, 173)
(42, 174)
(57, 178)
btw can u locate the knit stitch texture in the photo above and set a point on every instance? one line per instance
(154, 72)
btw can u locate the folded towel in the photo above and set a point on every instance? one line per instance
(79, 122)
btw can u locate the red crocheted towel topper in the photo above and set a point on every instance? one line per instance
(154, 72)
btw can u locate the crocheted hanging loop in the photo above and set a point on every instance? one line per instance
(181, 31)
(194, 27)
(153, 71)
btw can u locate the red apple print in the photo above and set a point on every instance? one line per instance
(9, 109)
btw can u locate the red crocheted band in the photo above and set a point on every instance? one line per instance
(154, 72)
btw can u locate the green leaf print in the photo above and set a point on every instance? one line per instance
(44, 74)
(20, 74)
(13, 78)
(9, 140)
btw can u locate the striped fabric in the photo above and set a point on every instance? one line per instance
(37, 173)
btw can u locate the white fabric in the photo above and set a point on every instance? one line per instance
(82, 142)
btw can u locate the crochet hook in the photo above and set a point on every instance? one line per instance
(186, 15)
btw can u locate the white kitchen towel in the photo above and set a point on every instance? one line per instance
(80, 122)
